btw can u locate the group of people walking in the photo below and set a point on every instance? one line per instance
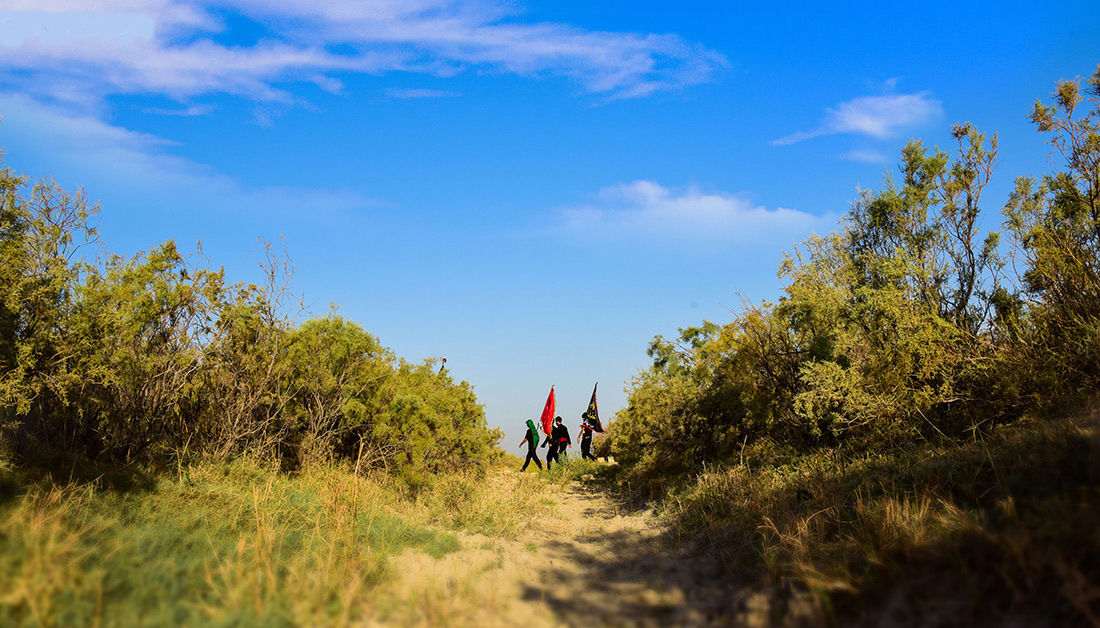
(557, 441)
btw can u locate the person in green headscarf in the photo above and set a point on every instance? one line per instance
(532, 440)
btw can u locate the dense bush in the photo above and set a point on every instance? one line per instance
(904, 326)
(891, 443)
(159, 356)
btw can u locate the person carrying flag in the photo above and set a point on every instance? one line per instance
(588, 425)
(532, 440)
(558, 441)
(590, 422)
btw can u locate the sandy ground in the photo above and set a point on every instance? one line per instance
(595, 563)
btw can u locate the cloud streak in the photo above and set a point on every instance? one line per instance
(878, 117)
(83, 50)
(408, 93)
(646, 210)
(865, 156)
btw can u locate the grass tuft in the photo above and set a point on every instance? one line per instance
(215, 544)
(998, 530)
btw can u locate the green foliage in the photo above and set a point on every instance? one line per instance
(41, 232)
(496, 505)
(1054, 324)
(900, 328)
(159, 358)
(222, 544)
(429, 424)
(338, 372)
(673, 412)
(135, 341)
(880, 441)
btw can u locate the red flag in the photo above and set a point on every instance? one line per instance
(593, 413)
(548, 413)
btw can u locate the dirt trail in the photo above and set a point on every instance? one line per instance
(593, 564)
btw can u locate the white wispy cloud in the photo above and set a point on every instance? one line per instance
(407, 93)
(20, 27)
(90, 69)
(647, 210)
(188, 112)
(865, 156)
(878, 117)
(94, 48)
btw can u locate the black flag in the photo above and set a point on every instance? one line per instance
(592, 414)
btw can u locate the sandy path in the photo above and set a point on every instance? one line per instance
(594, 563)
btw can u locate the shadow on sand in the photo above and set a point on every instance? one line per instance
(627, 571)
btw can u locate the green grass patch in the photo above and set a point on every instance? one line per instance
(225, 544)
(572, 468)
(500, 504)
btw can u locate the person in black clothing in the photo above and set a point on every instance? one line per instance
(587, 426)
(532, 440)
(551, 449)
(559, 440)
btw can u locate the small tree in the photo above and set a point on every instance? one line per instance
(1056, 227)
(42, 231)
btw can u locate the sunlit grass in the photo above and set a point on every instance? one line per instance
(219, 544)
(1000, 527)
(497, 505)
(572, 467)
(241, 543)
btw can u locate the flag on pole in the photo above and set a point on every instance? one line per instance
(593, 413)
(548, 413)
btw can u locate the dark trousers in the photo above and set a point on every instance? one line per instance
(551, 454)
(532, 454)
(586, 449)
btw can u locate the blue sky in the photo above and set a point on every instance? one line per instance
(532, 190)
